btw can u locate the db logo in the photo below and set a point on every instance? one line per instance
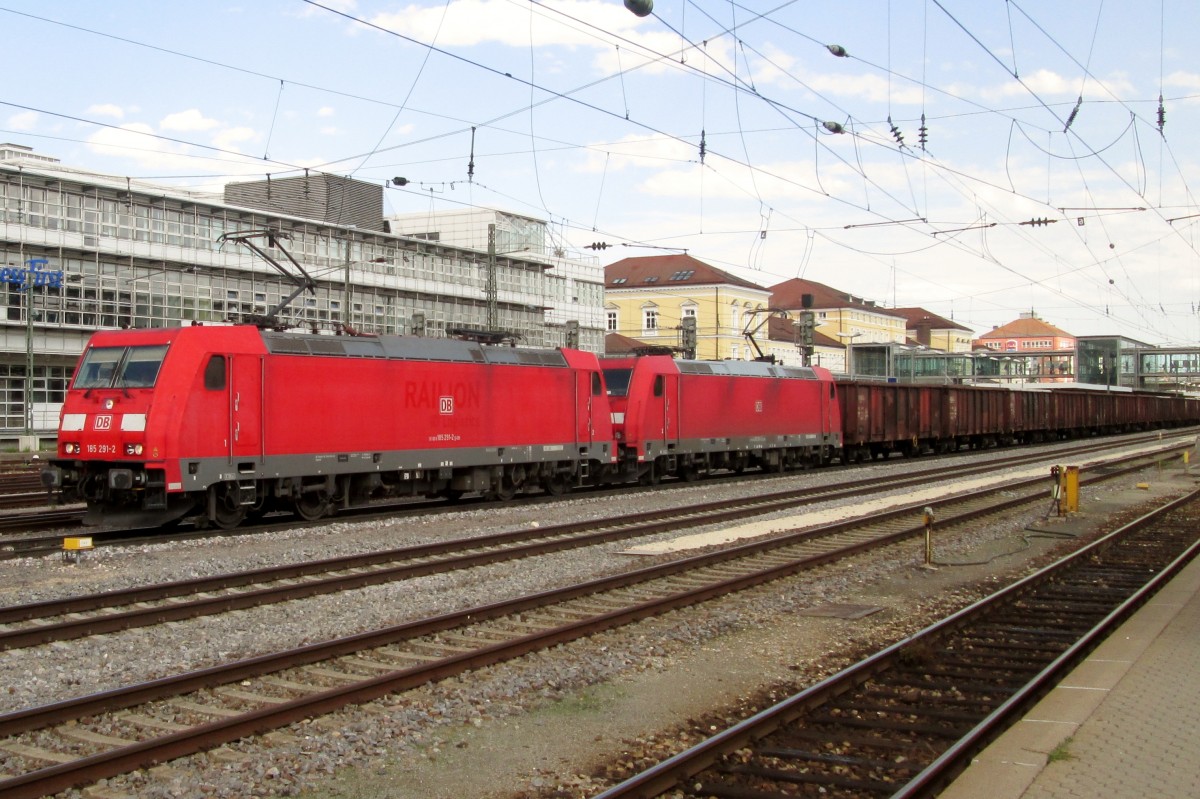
(445, 405)
(103, 422)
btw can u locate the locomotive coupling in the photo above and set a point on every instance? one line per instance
(120, 478)
(52, 477)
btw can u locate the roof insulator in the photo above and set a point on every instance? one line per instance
(1074, 113)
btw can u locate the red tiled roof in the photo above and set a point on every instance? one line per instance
(616, 344)
(1026, 327)
(666, 271)
(789, 296)
(780, 329)
(919, 316)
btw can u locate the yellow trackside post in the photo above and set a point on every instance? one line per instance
(1070, 491)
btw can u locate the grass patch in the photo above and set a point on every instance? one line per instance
(589, 700)
(1061, 752)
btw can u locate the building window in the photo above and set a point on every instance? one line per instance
(649, 320)
(611, 317)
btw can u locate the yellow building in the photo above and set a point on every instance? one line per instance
(839, 315)
(648, 298)
(936, 332)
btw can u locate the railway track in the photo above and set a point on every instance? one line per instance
(81, 740)
(75, 617)
(18, 546)
(906, 721)
(21, 489)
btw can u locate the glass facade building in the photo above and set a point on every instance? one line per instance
(80, 252)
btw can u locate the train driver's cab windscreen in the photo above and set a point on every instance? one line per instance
(120, 367)
(617, 381)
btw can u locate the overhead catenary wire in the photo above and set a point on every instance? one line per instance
(862, 136)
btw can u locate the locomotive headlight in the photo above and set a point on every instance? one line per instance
(70, 448)
(133, 449)
(109, 403)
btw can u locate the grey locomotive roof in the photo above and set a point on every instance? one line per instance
(745, 369)
(408, 348)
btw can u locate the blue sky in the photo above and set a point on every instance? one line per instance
(729, 130)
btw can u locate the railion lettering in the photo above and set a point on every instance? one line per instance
(428, 396)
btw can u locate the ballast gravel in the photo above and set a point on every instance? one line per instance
(413, 739)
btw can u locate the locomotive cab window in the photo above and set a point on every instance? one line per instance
(214, 373)
(658, 385)
(617, 381)
(98, 367)
(597, 385)
(123, 367)
(141, 366)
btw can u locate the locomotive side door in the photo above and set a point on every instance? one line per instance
(666, 391)
(245, 407)
(585, 386)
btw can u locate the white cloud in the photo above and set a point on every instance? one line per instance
(1184, 80)
(473, 22)
(136, 140)
(346, 6)
(866, 87)
(188, 121)
(325, 111)
(1046, 83)
(106, 110)
(25, 120)
(636, 151)
(230, 138)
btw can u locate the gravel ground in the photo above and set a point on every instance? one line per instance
(558, 723)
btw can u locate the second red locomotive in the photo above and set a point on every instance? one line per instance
(688, 418)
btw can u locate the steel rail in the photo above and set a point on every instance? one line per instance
(460, 554)
(686, 765)
(25, 547)
(60, 777)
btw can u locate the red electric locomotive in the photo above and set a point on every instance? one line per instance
(687, 418)
(219, 422)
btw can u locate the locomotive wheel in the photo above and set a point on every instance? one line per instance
(228, 513)
(312, 505)
(556, 485)
(505, 489)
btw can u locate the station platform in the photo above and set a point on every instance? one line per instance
(1125, 724)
